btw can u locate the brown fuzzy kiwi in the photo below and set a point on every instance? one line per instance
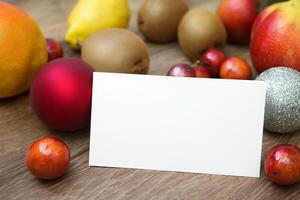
(116, 50)
(200, 30)
(158, 20)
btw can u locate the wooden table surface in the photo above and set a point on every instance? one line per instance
(19, 127)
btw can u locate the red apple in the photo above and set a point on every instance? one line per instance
(54, 49)
(181, 70)
(235, 68)
(48, 158)
(282, 164)
(202, 71)
(238, 17)
(214, 59)
(275, 37)
(61, 94)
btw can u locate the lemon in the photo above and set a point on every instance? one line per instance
(90, 16)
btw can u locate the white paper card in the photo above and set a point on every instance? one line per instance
(177, 124)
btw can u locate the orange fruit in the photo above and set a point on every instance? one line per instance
(22, 50)
(235, 68)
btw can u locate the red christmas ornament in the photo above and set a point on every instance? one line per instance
(61, 94)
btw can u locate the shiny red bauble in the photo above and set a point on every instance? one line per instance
(48, 158)
(61, 94)
(282, 164)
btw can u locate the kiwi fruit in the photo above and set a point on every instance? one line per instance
(200, 30)
(116, 50)
(158, 20)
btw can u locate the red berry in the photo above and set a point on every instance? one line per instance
(54, 49)
(235, 68)
(181, 70)
(214, 59)
(48, 158)
(202, 72)
(282, 164)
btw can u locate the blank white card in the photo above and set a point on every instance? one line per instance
(164, 123)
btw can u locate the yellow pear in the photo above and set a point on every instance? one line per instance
(90, 16)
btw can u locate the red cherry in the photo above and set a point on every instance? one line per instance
(235, 68)
(202, 72)
(214, 59)
(54, 49)
(181, 70)
(48, 158)
(282, 164)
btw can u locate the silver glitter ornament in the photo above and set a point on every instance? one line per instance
(282, 112)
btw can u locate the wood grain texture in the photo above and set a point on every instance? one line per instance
(19, 127)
